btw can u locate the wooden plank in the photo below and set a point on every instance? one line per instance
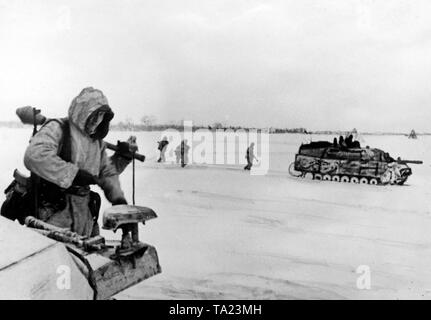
(114, 276)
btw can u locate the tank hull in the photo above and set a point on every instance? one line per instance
(332, 167)
(350, 165)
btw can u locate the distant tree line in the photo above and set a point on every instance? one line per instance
(127, 126)
(148, 123)
(286, 130)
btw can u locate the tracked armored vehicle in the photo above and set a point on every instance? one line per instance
(328, 161)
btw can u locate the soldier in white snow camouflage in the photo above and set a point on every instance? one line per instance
(68, 164)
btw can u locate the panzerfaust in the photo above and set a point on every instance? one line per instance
(325, 161)
(110, 266)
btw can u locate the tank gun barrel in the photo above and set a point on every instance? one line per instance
(410, 161)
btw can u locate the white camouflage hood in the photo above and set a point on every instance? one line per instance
(83, 106)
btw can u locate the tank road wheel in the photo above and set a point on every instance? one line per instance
(363, 180)
(354, 180)
(327, 177)
(317, 176)
(345, 179)
(374, 181)
(336, 178)
(308, 175)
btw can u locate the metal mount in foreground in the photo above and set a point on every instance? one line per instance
(127, 218)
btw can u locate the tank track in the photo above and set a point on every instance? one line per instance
(334, 177)
(347, 178)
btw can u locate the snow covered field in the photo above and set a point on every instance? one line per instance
(225, 234)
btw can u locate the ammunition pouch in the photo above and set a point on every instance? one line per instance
(51, 195)
(19, 202)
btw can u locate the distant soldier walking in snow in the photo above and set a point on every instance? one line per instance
(184, 151)
(250, 156)
(162, 147)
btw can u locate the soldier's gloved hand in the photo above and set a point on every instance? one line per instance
(84, 178)
(119, 201)
(126, 149)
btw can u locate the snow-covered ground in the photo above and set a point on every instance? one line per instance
(222, 233)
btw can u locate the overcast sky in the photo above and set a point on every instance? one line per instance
(323, 64)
